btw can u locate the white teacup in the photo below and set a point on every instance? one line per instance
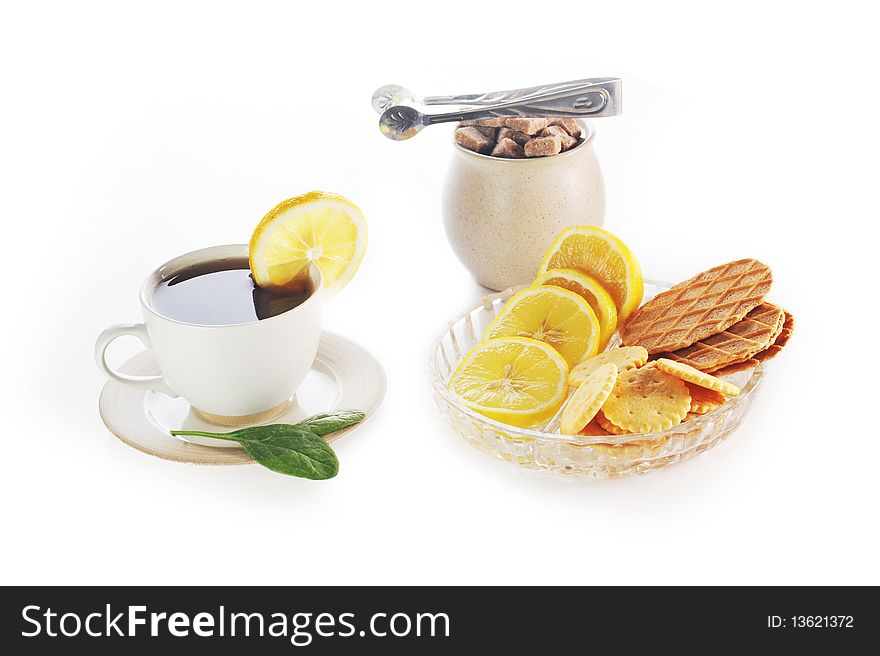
(229, 373)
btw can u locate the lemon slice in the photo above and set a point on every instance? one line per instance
(553, 315)
(602, 256)
(517, 381)
(592, 292)
(318, 228)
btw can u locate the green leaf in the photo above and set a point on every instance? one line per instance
(292, 449)
(252, 434)
(302, 454)
(330, 422)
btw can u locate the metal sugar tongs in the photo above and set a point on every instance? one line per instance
(591, 97)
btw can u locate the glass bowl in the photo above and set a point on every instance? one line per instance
(542, 447)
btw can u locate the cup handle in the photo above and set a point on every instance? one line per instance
(138, 330)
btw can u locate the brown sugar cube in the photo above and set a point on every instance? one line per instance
(508, 148)
(527, 125)
(543, 146)
(491, 133)
(570, 125)
(472, 139)
(517, 136)
(567, 140)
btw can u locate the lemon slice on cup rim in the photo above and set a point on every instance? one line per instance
(319, 228)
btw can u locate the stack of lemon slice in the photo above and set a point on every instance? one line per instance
(588, 283)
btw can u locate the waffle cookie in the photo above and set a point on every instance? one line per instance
(704, 305)
(767, 354)
(743, 340)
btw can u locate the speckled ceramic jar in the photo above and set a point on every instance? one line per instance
(501, 214)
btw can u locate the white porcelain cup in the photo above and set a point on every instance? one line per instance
(228, 372)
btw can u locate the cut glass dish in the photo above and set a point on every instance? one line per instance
(542, 447)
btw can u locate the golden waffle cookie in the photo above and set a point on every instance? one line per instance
(587, 399)
(607, 426)
(706, 304)
(691, 375)
(627, 357)
(739, 342)
(762, 356)
(704, 400)
(781, 340)
(647, 400)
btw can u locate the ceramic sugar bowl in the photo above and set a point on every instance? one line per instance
(501, 214)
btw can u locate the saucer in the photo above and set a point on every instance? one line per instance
(343, 375)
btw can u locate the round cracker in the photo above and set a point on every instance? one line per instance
(695, 376)
(593, 429)
(609, 427)
(647, 400)
(703, 399)
(587, 399)
(632, 449)
(625, 357)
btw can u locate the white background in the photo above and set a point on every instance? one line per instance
(132, 132)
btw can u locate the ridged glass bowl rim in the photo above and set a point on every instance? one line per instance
(439, 387)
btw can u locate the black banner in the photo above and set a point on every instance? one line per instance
(434, 620)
